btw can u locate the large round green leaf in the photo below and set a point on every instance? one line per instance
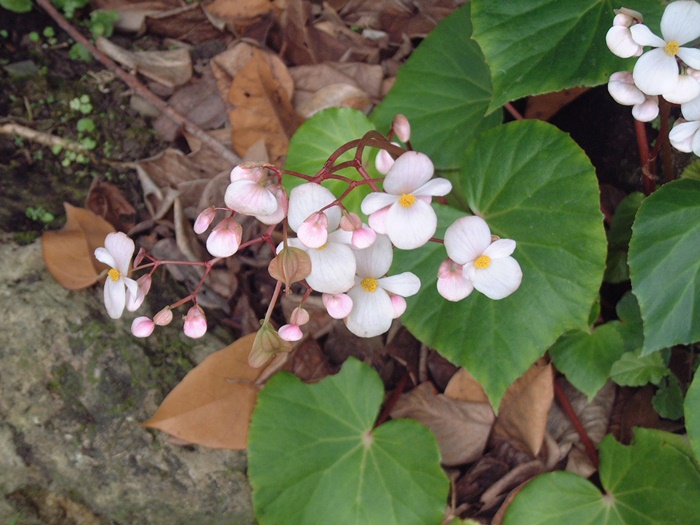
(533, 184)
(691, 408)
(538, 46)
(315, 141)
(444, 89)
(315, 458)
(652, 481)
(664, 261)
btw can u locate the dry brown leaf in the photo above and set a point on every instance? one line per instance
(461, 428)
(545, 106)
(170, 68)
(107, 201)
(187, 23)
(522, 415)
(212, 405)
(132, 15)
(261, 109)
(69, 252)
(239, 14)
(335, 96)
(463, 386)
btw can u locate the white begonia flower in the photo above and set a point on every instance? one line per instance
(116, 254)
(622, 88)
(486, 264)
(372, 306)
(249, 192)
(403, 210)
(656, 72)
(451, 283)
(619, 38)
(333, 263)
(685, 135)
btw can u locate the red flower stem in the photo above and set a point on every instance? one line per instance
(576, 422)
(513, 112)
(667, 158)
(643, 148)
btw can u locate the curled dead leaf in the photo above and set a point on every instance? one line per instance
(69, 252)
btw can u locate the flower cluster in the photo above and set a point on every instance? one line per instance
(669, 69)
(334, 252)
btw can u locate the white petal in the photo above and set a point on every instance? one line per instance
(404, 284)
(383, 161)
(371, 314)
(681, 21)
(376, 260)
(690, 56)
(500, 279)
(332, 268)
(102, 255)
(121, 247)
(282, 206)
(467, 238)
(621, 88)
(655, 72)
(686, 90)
(696, 144)
(620, 42)
(115, 298)
(646, 111)
(644, 37)
(691, 110)
(377, 221)
(434, 188)
(310, 198)
(376, 201)
(453, 286)
(412, 227)
(500, 248)
(410, 171)
(250, 198)
(682, 134)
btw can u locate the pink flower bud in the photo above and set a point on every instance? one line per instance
(363, 238)
(299, 316)
(290, 332)
(163, 317)
(383, 162)
(144, 285)
(195, 322)
(313, 232)
(139, 257)
(402, 128)
(225, 238)
(248, 171)
(398, 304)
(338, 306)
(350, 222)
(267, 343)
(142, 327)
(204, 220)
(278, 216)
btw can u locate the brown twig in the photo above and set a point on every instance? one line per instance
(576, 422)
(137, 86)
(41, 137)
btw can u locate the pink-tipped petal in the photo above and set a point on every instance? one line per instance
(402, 128)
(452, 284)
(620, 42)
(195, 322)
(338, 306)
(377, 221)
(647, 110)
(225, 238)
(250, 198)
(363, 238)
(299, 316)
(383, 162)
(290, 332)
(278, 216)
(399, 305)
(204, 220)
(164, 317)
(313, 232)
(248, 171)
(133, 302)
(142, 327)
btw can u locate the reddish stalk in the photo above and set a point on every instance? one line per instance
(666, 156)
(576, 422)
(643, 148)
(138, 87)
(391, 402)
(513, 112)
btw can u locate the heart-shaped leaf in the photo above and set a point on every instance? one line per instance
(691, 408)
(316, 458)
(444, 90)
(664, 261)
(533, 184)
(651, 481)
(538, 46)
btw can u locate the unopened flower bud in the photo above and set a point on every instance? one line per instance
(313, 232)
(139, 257)
(280, 213)
(290, 332)
(402, 128)
(248, 171)
(195, 322)
(363, 238)
(267, 343)
(338, 306)
(291, 265)
(299, 316)
(225, 238)
(142, 327)
(398, 304)
(163, 317)
(350, 222)
(144, 285)
(383, 161)
(204, 220)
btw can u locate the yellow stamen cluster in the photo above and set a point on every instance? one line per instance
(114, 274)
(482, 262)
(369, 284)
(406, 200)
(671, 48)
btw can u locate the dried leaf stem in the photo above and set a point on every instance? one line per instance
(576, 422)
(138, 86)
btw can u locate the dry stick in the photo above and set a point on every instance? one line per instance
(138, 87)
(41, 137)
(576, 422)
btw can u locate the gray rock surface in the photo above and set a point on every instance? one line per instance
(74, 386)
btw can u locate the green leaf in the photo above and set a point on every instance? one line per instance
(316, 458)
(664, 261)
(444, 89)
(668, 401)
(315, 141)
(691, 409)
(616, 270)
(652, 481)
(18, 6)
(532, 184)
(630, 325)
(635, 370)
(692, 171)
(538, 46)
(586, 358)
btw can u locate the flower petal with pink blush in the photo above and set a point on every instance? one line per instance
(290, 332)
(377, 221)
(499, 280)
(383, 161)
(338, 306)
(299, 316)
(248, 171)
(278, 216)
(204, 220)
(133, 302)
(410, 171)
(195, 322)
(467, 238)
(647, 110)
(623, 90)
(404, 284)
(620, 42)
(451, 283)
(250, 198)
(363, 238)
(399, 305)
(225, 238)
(313, 232)
(310, 198)
(142, 327)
